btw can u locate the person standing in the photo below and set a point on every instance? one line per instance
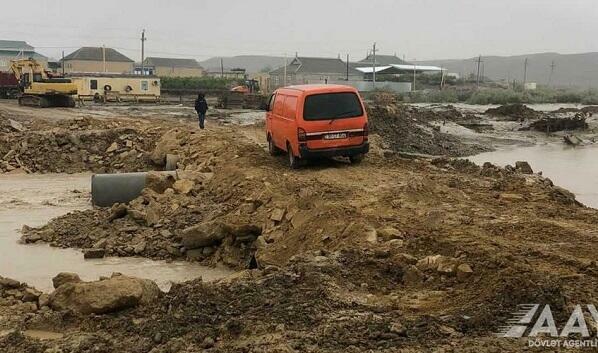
(201, 107)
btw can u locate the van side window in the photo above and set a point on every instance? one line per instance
(93, 84)
(278, 104)
(271, 103)
(290, 107)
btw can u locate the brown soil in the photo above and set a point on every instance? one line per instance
(340, 257)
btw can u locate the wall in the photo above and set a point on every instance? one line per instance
(277, 81)
(366, 86)
(97, 66)
(118, 85)
(165, 71)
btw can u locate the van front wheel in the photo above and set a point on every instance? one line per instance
(293, 161)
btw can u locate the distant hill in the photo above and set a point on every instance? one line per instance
(580, 70)
(251, 63)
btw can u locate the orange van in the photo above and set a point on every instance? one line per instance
(310, 121)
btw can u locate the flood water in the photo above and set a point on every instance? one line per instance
(34, 200)
(574, 168)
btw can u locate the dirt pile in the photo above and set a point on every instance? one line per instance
(77, 145)
(557, 123)
(514, 112)
(408, 129)
(344, 301)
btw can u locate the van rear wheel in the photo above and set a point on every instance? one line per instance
(356, 159)
(293, 161)
(274, 151)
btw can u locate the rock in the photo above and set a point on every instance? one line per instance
(159, 182)
(43, 300)
(15, 125)
(100, 244)
(523, 167)
(183, 186)
(398, 329)
(94, 253)
(446, 265)
(117, 211)
(31, 295)
(9, 283)
(413, 276)
(371, 236)
(246, 233)
(65, 277)
(113, 147)
(195, 254)
(166, 233)
(464, 271)
(204, 234)
(105, 296)
(208, 342)
(139, 248)
(563, 196)
(511, 197)
(428, 263)
(277, 214)
(136, 215)
(152, 214)
(168, 144)
(389, 233)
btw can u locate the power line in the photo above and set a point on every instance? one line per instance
(552, 67)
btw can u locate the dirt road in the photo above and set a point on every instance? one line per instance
(394, 254)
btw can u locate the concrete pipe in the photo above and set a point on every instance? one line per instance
(108, 189)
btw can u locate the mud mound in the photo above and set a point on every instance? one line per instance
(77, 146)
(409, 129)
(514, 112)
(551, 124)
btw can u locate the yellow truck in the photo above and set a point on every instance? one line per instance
(37, 89)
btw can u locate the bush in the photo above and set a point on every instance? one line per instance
(197, 83)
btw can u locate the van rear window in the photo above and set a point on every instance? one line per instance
(327, 106)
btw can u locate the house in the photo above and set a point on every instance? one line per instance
(306, 70)
(97, 59)
(381, 60)
(171, 67)
(16, 49)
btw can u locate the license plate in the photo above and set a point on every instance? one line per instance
(335, 136)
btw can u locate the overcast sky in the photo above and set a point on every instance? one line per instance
(418, 29)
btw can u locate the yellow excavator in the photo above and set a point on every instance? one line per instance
(37, 89)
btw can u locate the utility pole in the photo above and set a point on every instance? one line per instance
(62, 63)
(374, 67)
(414, 72)
(347, 67)
(284, 80)
(524, 73)
(142, 52)
(104, 56)
(221, 68)
(552, 66)
(479, 61)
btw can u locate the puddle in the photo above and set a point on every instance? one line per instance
(574, 168)
(34, 200)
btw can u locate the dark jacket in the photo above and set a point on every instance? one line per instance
(201, 106)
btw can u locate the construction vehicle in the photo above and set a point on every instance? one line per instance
(38, 89)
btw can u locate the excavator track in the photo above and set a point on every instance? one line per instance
(46, 101)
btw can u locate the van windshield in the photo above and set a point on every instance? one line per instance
(327, 106)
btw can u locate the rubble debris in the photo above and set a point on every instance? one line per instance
(94, 253)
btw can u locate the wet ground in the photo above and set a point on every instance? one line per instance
(35, 199)
(574, 168)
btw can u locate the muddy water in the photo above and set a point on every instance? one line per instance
(574, 168)
(34, 200)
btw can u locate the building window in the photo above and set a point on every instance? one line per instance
(144, 86)
(93, 84)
